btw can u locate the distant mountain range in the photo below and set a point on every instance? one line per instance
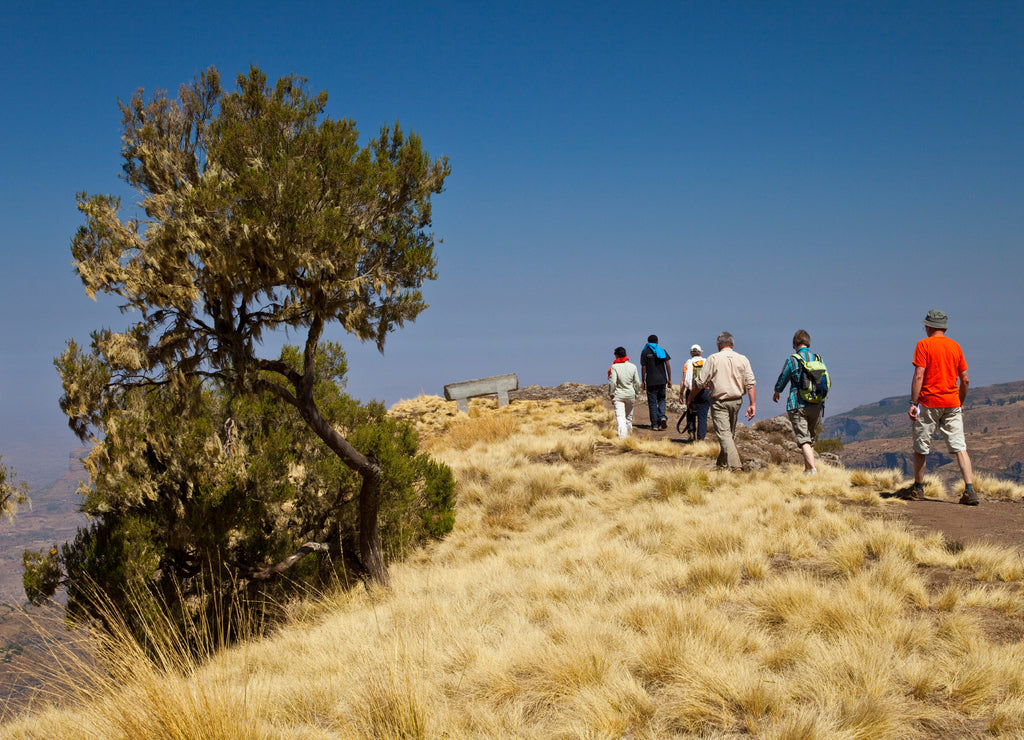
(877, 435)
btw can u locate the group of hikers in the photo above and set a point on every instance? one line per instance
(715, 385)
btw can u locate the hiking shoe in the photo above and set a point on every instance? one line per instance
(970, 498)
(664, 424)
(913, 493)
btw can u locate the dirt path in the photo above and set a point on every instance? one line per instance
(994, 522)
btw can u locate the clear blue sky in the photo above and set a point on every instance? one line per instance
(672, 168)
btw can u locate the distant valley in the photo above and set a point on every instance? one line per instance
(27, 634)
(52, 518)
(877, 435)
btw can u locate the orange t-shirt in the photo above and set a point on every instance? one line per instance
(943, 361)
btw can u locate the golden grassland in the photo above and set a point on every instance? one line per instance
(598, 588)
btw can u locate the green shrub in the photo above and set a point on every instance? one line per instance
(204, 501)
(829, 444)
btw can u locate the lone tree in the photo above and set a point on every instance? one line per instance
(202, 502)
(257, 213)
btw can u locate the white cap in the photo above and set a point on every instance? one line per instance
(695, 348)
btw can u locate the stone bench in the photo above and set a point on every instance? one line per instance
(462, 391)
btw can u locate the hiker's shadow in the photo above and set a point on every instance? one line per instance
(903, 494)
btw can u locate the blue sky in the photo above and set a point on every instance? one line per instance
(672, 168)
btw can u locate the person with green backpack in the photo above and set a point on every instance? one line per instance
(808, 381)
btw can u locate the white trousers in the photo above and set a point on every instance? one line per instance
(624, 415)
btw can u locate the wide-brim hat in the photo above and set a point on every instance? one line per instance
(936, 319)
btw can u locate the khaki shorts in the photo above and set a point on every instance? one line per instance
(948, 422)
(805, 423)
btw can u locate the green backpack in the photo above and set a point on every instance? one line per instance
(814, 382)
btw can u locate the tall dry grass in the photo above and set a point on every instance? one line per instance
(598, 588)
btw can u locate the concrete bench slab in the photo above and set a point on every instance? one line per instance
(462, 391)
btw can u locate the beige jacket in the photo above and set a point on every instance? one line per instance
(728, 374)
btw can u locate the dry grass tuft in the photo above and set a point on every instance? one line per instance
(882, 480)
(997, 488)
(702, 448)
(464, 433)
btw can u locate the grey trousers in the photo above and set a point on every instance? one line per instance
(724, 414)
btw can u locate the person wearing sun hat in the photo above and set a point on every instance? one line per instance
(937, 394)
(696, 412)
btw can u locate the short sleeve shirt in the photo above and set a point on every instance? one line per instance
(943, 361)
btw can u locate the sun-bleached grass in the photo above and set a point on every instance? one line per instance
(701, 448)
(889, 479)
(996, 488)
(593, 588)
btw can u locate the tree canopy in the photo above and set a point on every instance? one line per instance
(256, 213)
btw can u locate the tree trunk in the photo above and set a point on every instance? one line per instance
(369, 492)
(369, 531)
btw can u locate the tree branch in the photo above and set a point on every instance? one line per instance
(272, 571)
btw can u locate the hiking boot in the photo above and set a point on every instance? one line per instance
(970, 498)
(913, 493)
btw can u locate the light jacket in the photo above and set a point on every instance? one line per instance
(623, 381)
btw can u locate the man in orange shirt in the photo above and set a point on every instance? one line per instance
(936, 402)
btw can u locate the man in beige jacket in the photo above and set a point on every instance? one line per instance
(729, 376)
